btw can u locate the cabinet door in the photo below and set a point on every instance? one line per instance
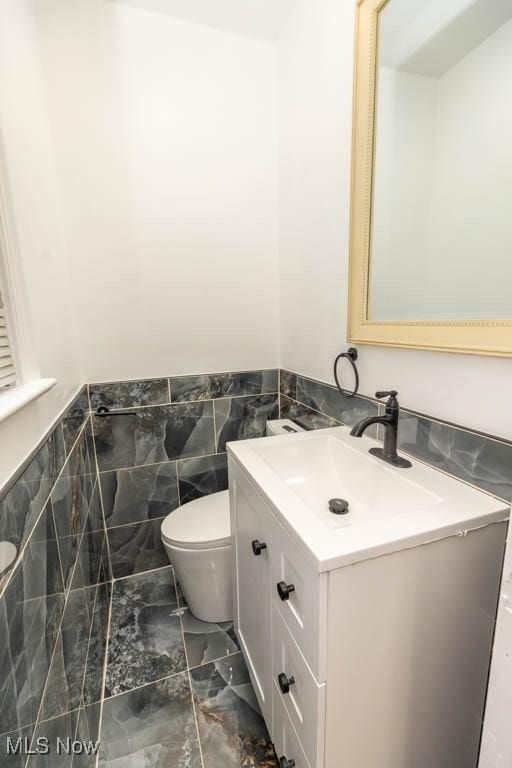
(286, 742)
(253, 608)
(305, 609)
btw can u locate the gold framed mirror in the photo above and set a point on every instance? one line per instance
(431, 193)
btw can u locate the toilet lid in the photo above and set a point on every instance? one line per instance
(200, 524)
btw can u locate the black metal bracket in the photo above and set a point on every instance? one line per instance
(104, 411)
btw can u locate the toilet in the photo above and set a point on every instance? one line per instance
(197, 539)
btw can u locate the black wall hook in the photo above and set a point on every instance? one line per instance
(351, 355)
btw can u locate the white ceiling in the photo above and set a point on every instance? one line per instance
(261, 19)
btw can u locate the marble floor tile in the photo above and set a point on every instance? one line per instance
(231, 728)
(97, 649)
(151, 727)
(138, 494)
(63, 728)
(11, 750)
(87, 731)
(202, 476)
(206, 641)
(146, 641)
(136, 548)
(182, 600)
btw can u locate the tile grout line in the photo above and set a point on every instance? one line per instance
(162, 463)
(140, 573)
(215, 441)
(104, 676)
(173, 403)
(93, 435)
(159, 679)
(40, 719)
(84, 676)
(320, 413)
(214, 661)
(76, 564)
(188, 673)
(182, 376)
(177, 489)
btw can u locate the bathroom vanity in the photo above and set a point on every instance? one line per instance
(367, 634)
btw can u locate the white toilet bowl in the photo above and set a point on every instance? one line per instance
(197, 539)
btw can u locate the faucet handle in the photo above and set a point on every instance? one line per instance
(392, 393)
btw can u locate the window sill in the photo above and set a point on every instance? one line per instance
(15, 399)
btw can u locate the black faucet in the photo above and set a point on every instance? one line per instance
(390, 422)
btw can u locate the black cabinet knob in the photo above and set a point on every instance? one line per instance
(258, 547)
(284, 763)
(285, 682)
(284, 590)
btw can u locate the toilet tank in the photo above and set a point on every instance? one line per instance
(282, 427)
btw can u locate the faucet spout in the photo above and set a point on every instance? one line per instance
(360, 428)
(389, 420)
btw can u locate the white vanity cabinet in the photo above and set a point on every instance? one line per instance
(253, 610)
(380, 663)
(496, 750)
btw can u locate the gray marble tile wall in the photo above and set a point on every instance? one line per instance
(478, 459)
(54, 598)
(169, 449)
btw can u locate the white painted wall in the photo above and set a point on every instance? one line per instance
(315, 144)
(166, 144)
(29, 158)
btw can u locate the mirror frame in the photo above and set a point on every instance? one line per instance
(484, 337)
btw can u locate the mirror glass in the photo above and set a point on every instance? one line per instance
(441, 230)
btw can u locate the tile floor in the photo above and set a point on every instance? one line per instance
(177, 693)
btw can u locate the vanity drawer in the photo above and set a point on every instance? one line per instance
(286, 742)
(302, 697)
(301, 594)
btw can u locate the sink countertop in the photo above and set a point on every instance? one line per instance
(390, 508)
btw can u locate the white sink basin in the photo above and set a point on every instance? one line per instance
(324, 468)
(389, 508)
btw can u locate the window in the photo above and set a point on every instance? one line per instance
(20, 376)
(7, 367)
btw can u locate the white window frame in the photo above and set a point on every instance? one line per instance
(29, 383)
